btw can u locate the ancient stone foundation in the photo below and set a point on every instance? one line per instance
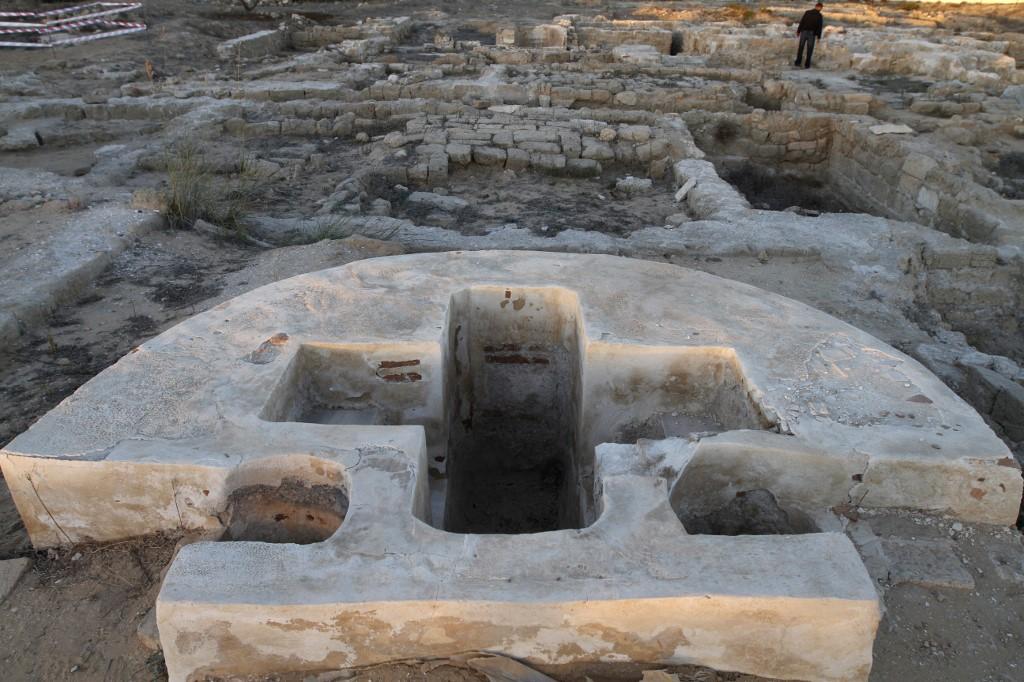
(561, 458)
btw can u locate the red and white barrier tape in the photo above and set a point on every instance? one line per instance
(71, 26)
(118, 6)
(74, 40)
(67, 20)
(56, 22)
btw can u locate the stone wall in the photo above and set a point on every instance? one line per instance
(390, 29)
(979, 291)
(768, 138)
(885, 175)
(534, 139)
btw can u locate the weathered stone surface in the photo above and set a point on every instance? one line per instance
(437, 201)
(928, 563)
(582, 168)
(636, 54)
(597, 150)
(547, 162)
(489, 156)
(635, 133)
(11, 571)
(517, 159)
(900, 468)
(147, 631)
(458, 153)
(630, 186)
(999, 397)
(891, 129)
(938, 254)
(56, 269)
(254, 45)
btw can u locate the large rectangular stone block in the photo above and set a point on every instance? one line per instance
(253, 46)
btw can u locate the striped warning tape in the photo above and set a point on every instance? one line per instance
(71, 26)
(70, 20)
(118, 6)
(73, 40)
(55, 22)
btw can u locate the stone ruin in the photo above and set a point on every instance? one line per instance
(559, 458)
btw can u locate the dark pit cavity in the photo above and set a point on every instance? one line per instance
(780, 190)
(509, 430)
(513, 397)
(750, 512)
(292, 512)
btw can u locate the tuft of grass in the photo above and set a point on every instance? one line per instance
(330, 227)
(243, 192)
(195, 193)
(908, 6)
(190, 195)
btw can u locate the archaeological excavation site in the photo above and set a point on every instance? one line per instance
(523, 341)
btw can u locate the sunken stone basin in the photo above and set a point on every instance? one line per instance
(425, 455)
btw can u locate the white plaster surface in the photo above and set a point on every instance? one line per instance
(163, 437)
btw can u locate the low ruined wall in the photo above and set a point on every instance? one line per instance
(576, 147)
(768, 138)
(979, 291)
(604, 37)
(881, 174)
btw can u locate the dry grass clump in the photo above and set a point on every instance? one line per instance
(196, 193)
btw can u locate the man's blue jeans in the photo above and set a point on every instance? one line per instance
(806, 38)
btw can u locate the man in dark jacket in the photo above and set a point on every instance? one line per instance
(809, 30)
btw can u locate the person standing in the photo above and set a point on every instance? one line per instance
(808, 31)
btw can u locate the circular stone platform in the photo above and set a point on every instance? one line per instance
(425, 454)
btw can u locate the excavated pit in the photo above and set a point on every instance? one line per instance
(291, 512)
(749, 512)
(779, 169)
(478, 201)
(512, 443)
(513, 397)
(1010, 171)
(778, 189)
(339, 385)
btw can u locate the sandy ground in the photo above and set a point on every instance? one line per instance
(76, 613)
